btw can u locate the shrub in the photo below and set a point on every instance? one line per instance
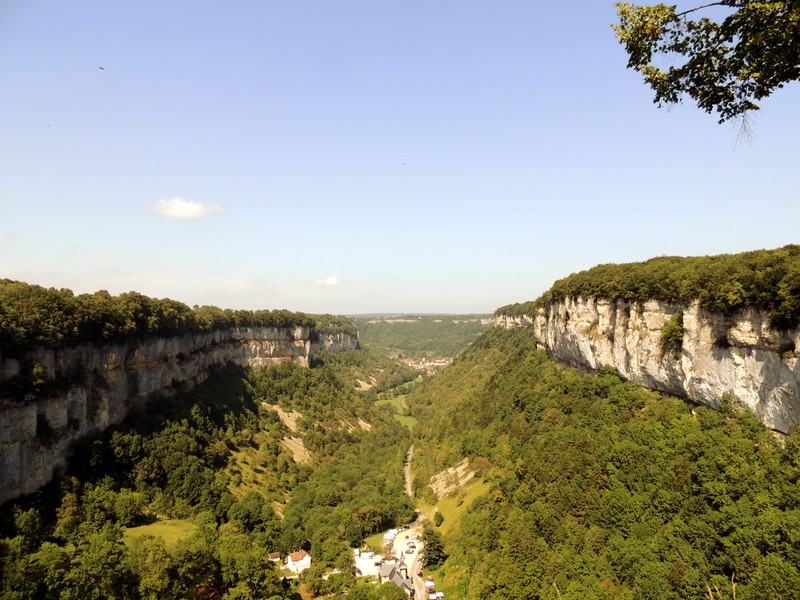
(672, 334)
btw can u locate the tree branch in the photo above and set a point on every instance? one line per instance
(709, 5)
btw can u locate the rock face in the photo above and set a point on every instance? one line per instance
(105, 383)
(510, 322)
(334, 342)
(738, 353)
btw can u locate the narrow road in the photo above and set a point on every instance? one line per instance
(407, 472)
(413, 560)
(415, 568)
(415, 563)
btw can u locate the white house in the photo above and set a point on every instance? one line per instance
(298, 561)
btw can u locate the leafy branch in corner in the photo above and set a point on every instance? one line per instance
(724, 67)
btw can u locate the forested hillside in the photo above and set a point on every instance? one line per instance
(31, 315)
(421, 336)
(251, 462)
(600, 489)
(767, 279)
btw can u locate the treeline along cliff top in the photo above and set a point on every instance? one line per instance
(765, 279)
(31, 315)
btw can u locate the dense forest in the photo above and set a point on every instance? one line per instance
(31, 315)
(371, 368)
(600, 489)
(249, 463)
(420, 336)
(767, 279)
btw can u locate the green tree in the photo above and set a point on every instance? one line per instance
(128, 506)
(69, 516)
(96, 569)
(389, 591)
(723, 66)
(433, 549)
(775, 578)
(28, 524)
(148, 557)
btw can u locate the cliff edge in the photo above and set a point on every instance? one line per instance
(739, 353)
(698, 327)
(89, 387)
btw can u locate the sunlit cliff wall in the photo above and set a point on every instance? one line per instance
(739, 353)
(106, 382)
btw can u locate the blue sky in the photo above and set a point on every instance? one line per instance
(348, 157)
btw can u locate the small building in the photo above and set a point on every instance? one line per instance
(275, 557)
(398, 575)
(298, 561)
(386, 571)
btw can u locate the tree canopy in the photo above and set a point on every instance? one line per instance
(724, 66)
(725, 283)
(31, 316)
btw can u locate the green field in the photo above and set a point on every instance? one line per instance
(171, 531)
(396, 403)
(454, 506)
(400, 409)
(407, 420)
(375, 542)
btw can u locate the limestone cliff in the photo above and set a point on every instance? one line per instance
(512, 321)
(738, 353)
(334, 342)
(106, 382)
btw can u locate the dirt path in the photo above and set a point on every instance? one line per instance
(407, 472)
(304, 593)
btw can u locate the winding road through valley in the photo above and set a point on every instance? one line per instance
(415, 559)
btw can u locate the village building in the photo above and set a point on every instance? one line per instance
(398, 575)
(298, 561)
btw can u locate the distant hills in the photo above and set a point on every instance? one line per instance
(420, 336)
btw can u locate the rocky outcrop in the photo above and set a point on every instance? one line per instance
(334, 342)
(739, 353)
(512, 321)
(91, 387)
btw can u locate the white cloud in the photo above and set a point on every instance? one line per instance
(332, 280)
(178, 208)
